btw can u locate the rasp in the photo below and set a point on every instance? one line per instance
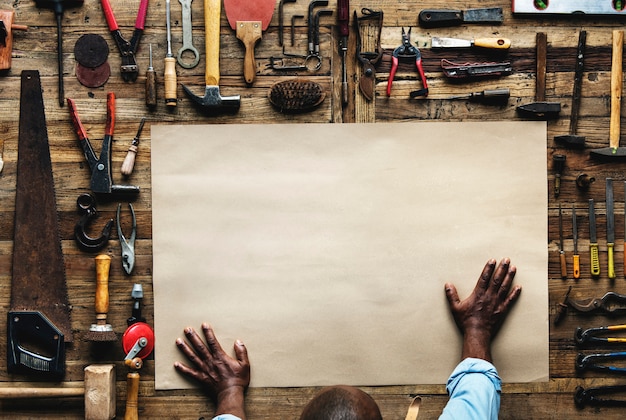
(610, 228)
(593, 241)
(444, 17)
(40, 313)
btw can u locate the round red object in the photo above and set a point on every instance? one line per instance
(134, 333)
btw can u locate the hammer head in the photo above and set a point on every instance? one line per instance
(571, 140)
(213, 102)
(610, 153)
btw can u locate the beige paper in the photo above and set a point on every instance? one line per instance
(325, 247)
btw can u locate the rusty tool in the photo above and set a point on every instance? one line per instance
(540, 109)
(610, 304)
(439, 18)
(213, 101)
(368, 59)
(58, 6)
(561, 307)
(561, 250)
(610, 228)
(129, 160)
(249, 19)
(571, 139)
(487, 96)
(614, 152)
(151, 93)
(281, 17)
(1, 152)
(6, 37)
(593, 241)
(559, 164)
(583, 181)
(187, 38)
(86, 204)
(40, 312)
(128, 49)
(102, 331)
(127, 244)
(101, 178)
(575, 256)
(343, 20)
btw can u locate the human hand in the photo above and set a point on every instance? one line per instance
(480, 316)
(223, 377)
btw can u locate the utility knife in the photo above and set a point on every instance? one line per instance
(493, 43)
(439, 18)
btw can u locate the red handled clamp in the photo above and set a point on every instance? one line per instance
(406, 53)
(128, 49)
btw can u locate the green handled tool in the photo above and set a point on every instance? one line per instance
(593, 241)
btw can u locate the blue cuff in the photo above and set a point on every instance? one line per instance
(226, 417)
(471, 365)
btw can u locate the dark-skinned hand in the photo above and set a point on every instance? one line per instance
(223, 377)
(480, 316)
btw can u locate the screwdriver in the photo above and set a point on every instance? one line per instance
(169, 75)
(561, 251)
(489, 97)
(575, 257)
(151, 95)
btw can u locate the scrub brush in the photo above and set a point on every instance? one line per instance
(298, 95)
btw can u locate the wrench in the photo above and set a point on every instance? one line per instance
(187, 37)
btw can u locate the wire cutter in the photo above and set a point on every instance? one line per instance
(128, 245)
(128, 49)
(101, 177)
(611, 303)
(406, 53)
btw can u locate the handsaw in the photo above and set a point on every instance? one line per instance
(249, 19)
(40, 313)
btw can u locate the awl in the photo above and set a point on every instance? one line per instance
(439, 18)
(492, 43)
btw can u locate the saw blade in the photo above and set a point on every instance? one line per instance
(38, 282)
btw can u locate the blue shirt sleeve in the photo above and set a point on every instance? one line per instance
(226, 417)
(474, 388)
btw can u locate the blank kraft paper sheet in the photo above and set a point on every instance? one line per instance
(325, 247)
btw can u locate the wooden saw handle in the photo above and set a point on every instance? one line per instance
(212, 10)
(616, 88)
(103, 264)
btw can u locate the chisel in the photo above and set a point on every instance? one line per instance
(593, 241)
(561, 250)
(575, 257)
(445, 17)
(151, 95)
(610, 228)
(488, 96)
(169, 75)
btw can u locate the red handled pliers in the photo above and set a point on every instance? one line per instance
(407, 53)
(128, 49)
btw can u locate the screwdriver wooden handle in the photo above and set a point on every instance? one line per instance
(563, 265)
(169, 78)
(595, 259)
(496, 43)
(576, 259)
(103, 264)
(132, 388)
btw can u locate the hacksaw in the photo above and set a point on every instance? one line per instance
(39, 319)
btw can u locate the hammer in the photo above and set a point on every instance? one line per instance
(614, 152)
(212, 101)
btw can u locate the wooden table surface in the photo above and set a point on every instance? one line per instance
(36, 48)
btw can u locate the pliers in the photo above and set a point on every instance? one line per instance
(591, 335)
(128, 49)
(611, 303)
(128, 245)
(408, 52)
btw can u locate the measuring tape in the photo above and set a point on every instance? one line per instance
(588, 7)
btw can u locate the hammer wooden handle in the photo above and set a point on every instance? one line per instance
(616, 88)
(103, 264)
(212, 11)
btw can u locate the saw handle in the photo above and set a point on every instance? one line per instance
(103, 264)
(616, 88)
(212, 10)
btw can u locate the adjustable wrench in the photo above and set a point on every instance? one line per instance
(187, 37)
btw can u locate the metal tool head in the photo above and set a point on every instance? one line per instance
(213, 102)
(609, 153)
(128, 245)
(571, 140)
(540, 110)
(86, 204)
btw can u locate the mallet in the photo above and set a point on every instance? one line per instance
(614, 152)
(212, 101)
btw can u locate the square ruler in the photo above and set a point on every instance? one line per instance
(587, 7)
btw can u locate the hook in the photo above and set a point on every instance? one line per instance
(87, 204)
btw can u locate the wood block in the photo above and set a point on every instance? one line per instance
(100, 392)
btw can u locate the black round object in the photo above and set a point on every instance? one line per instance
(91, 50)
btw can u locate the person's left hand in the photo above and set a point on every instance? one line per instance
(222, 376)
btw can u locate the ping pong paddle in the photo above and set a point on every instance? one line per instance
(249, 18)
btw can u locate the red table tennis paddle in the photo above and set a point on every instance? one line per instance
(249, 18)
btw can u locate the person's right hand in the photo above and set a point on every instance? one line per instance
(480, 316)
